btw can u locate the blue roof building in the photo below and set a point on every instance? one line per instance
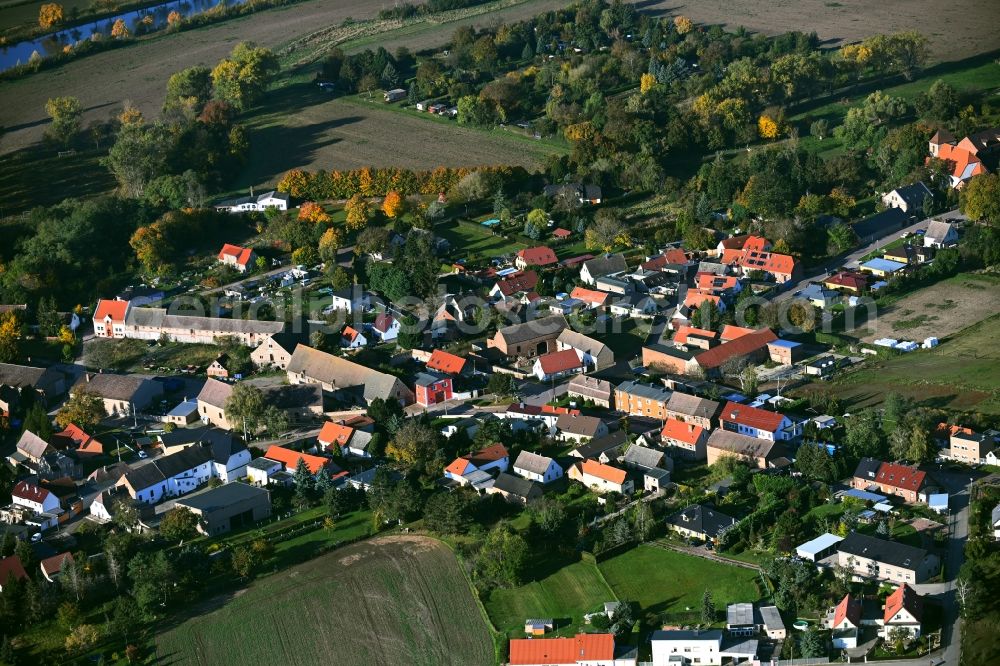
(882, 267)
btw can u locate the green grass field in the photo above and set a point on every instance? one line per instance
(564, 596)
(391, 600)
(475, 240)
(961, 374)
(666, 583)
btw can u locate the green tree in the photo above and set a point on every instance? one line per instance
(244, 561)
(980, 198)
(83, 409)
(446, 513)
(812, 643)
(245, 407)
(243, 77)
(411, 334)
(188, 91)
(37, 421)
(707, 607)
(863, 436)
(138, 156)
(501, 561)
(503, 386)
(65, 113)
(179, 524)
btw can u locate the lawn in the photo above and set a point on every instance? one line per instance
(475, 240)
(391, 600)
(961, 374)
(564, 596)
(625, 337)
(670, 585)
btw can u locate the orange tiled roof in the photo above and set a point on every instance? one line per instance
(446, 362)
(241, 254)
(602, 471)
(581, 648)
(113, 309)
(904, 597)
(741, 346)
(290, 459)
(849, 609)
(559, 361)
(689, 433)
(335, 432)
(681, 336)
(730, 332)
(591, 296)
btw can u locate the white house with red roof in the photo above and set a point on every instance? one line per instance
(34, 497)
(240, 258)
(352, 338)
(557, 364)
(386, 327)
(759, 423)
(591, 297)
(580, 650)
(511, 286)
(540, 256)
(109, 318)
(844, 622)
(601, 478)
(904, 609)
(493, 458)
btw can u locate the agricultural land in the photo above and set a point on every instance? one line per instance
(388, 600)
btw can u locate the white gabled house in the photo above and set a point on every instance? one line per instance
(34, 497)
(538, 468)
(170, 476)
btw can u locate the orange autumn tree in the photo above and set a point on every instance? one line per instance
(358, 212)
(313, 212)
(174, 18)
(49, 15)
(119, 30)
(295, 182)
(392, 205)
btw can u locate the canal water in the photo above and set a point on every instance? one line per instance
(155, 18)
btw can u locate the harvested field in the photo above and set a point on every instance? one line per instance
(961, 374)
(956, 31)
(939, 310)
(390, 600)
(302, 127)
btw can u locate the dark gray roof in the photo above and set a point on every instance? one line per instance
(294, 396)
(643, 457)
(113, 387)
(867, 468)
(226, 495)
(913, 194)
(532, 462)
(19, 376)
(288, 341)
(517, 333)
(222, 443)
(578, 424)
(881, 550)
(692, 405)
(168, 466)
(884, 222)
(686, 635)
(702, 519)
(606, 264)
(596, 447)
(739, 444)
(515, 485)
(647, 391)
